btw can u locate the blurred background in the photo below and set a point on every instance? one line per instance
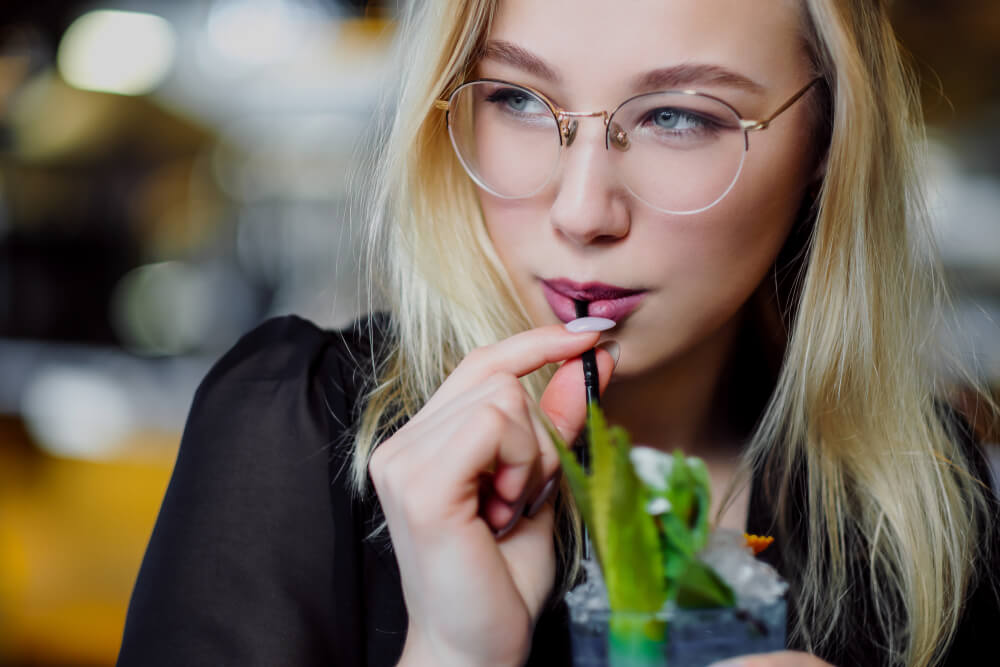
(172, 172)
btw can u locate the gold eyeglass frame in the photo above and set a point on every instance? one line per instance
(567, 121)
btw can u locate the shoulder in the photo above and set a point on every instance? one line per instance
(289, 365)
(290, 348)
(257, 530)
(268, 435)
(273, 417)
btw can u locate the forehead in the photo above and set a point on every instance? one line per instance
(593, 45)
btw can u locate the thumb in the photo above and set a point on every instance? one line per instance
(564, 400)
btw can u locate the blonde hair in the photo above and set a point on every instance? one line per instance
(856, 407)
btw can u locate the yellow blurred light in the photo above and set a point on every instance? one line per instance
(128, 53)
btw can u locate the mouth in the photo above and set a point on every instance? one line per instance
(610, 301)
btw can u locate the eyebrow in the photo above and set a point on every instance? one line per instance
(664, 78)
(512, 54)
(687, 74)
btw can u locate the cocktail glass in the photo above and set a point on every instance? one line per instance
(694, 637)
(683, 637)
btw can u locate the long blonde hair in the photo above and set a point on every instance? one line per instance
(856, 406)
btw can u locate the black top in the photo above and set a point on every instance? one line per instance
(259, 556)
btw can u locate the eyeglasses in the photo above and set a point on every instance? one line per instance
(679, 151)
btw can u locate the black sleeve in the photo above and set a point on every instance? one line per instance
(240, 567)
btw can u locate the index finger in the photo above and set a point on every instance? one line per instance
(518, 355)
(778, 659)
(526, 352)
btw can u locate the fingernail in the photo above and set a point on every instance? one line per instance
(613, 348)
(518, 511)
(729, 663)
(584, 324)
(546, 493)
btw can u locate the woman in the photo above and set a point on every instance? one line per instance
(746, 226)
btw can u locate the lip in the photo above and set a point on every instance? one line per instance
(610, 301)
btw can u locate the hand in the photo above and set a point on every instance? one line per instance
(779, 659)
(459, 473)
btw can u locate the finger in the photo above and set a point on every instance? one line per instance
(521, 548)
(564, 400)
(503, 391)
(504, 491)
(502, 514)
(778, 659)
(505, 486)
(528, 351)
(487, 438)
(509, 488)
(518, 355)
(546, 494)
(445, 487)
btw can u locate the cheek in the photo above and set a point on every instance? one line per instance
(519, 161)
(737, 240)
(516, 227)
(741, 236)
(512, 225)
(711, 263)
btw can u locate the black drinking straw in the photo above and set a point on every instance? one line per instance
(592, 387)
(591, 384)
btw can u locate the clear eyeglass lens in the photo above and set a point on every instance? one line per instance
(506, 137)
(683, 151)
(678, 152)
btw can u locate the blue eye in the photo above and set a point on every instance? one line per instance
(517, 101)
(676, 119)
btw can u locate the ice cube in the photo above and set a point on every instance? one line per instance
(590, 596)
(754, 582)
(651, 466)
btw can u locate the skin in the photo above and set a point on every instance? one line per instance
(428, 478)
(699, 269)
(475, 455)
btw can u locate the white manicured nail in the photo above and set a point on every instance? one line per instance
(582, 324)
(613, 348)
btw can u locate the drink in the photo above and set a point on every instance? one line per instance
(677, 593)
(678, 637)
(694, 637)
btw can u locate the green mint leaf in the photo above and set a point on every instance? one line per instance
(630, 545)
(699, 587)
(648, 517)
(579, 483)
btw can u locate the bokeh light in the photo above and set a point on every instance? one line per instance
(77, 412)
(128, 53)
(258, 32)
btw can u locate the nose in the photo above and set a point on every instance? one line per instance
(590, 206)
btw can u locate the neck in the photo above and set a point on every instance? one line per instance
(681, 403)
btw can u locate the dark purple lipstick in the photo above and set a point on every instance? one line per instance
(603, 300)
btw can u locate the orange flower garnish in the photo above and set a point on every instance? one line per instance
(758, 542)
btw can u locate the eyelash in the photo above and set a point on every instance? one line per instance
(505, 95)
(703, 123)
